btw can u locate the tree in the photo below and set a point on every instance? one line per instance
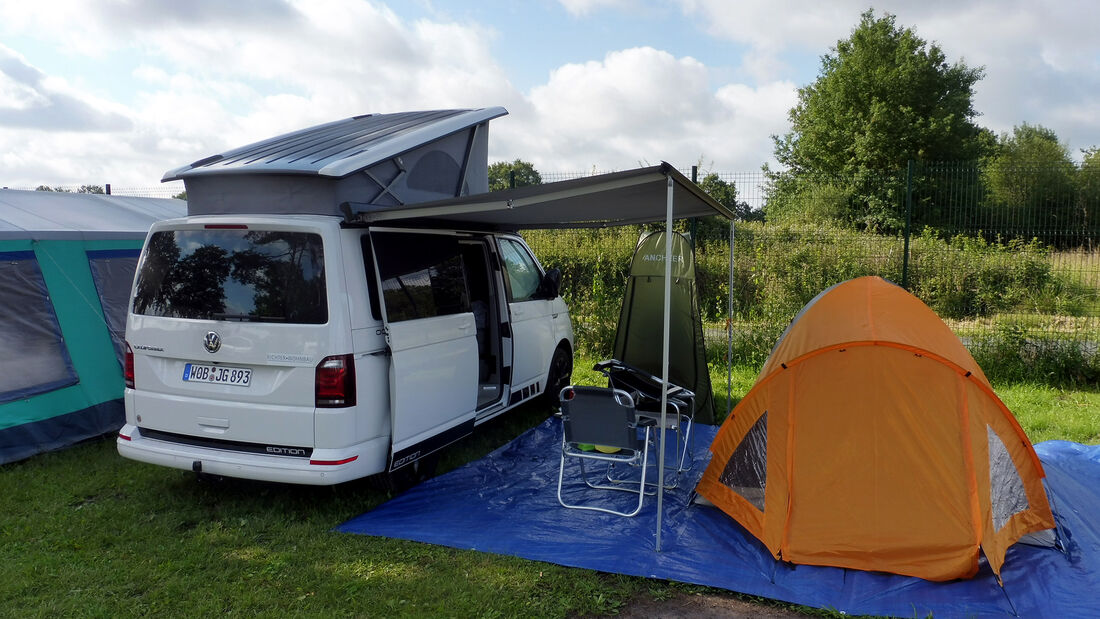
(884, 96)
(1088, 181)
(1030, 165)
(96, 189)
(502, 173)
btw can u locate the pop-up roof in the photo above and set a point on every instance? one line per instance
(383, 160)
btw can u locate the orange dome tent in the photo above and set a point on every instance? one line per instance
(872, 440)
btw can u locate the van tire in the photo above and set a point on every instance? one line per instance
(561, 372)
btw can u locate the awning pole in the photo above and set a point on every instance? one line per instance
(664, 362)
(729, 331)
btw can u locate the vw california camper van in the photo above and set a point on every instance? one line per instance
(272, 337)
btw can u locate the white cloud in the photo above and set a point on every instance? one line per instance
(1039, 55)
(211, 75)
(580, 8)
(641, 106)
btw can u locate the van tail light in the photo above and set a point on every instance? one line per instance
(128, 367)
(335, 384)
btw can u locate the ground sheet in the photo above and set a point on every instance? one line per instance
(506, 503)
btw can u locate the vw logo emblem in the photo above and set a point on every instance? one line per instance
(212, 342)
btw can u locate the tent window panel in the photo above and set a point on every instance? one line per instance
(35, 359)
(746, 473)
(1007, 488)
(113, 274)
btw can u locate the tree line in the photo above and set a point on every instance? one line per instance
(884, 100)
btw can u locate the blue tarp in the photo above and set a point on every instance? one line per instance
(506, 503)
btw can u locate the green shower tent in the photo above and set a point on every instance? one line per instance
(638, 339)
(67, 263)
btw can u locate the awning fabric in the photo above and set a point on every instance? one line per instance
(614, 199)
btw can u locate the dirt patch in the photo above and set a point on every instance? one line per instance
(703, 606)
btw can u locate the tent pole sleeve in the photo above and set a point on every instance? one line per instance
(729, 329)
(664, 361)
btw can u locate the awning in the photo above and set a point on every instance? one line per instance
(614, 199)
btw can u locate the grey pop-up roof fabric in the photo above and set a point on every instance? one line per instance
(378, 159)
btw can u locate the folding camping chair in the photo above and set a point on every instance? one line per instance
(645, 390)
(605, 417)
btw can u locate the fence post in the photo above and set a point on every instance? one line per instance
(908, 221)
(694, 220)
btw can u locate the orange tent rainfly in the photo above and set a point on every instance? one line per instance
(872, 440)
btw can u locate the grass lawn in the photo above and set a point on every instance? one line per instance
(84, 532)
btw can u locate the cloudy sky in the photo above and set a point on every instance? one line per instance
(119, 91)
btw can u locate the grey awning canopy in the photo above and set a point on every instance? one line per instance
(615, 199)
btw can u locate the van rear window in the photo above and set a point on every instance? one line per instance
(248, 275)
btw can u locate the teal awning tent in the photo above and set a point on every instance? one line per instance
(640, 322)
(66, 267)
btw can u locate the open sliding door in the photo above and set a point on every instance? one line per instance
(431, 334)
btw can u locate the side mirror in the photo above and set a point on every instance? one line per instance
(550, 285)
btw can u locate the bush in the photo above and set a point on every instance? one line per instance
(781, 267)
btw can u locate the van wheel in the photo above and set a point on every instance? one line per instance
(561, 372)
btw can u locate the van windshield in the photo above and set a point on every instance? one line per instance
(233, 274)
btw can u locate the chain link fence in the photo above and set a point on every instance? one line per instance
(166, 190)
(1009, 258)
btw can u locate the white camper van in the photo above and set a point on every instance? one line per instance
(271, 337)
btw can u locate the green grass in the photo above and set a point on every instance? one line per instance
(84, 532)
(1049, 413)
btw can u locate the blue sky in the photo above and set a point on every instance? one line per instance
(119, 91)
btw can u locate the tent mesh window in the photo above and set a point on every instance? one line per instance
(113, 273)
(1009, 496)
(746, 473)
(35, 358)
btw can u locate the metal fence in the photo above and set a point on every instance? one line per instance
(1009, 258)
(166, 190)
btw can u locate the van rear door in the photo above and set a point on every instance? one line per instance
(431, 334)
(227, 326)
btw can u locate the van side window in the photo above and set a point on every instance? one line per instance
(422, 275)
(523, 273)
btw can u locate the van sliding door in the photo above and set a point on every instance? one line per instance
(432, 338)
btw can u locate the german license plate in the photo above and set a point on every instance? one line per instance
(217, 374)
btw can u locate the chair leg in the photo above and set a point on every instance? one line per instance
(641, 485)
(688, 445)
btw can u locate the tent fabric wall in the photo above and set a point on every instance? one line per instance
(637, 340)
(88, 402)
(75, 255)
(871, 440)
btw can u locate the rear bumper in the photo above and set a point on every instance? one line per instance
(368, 458)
